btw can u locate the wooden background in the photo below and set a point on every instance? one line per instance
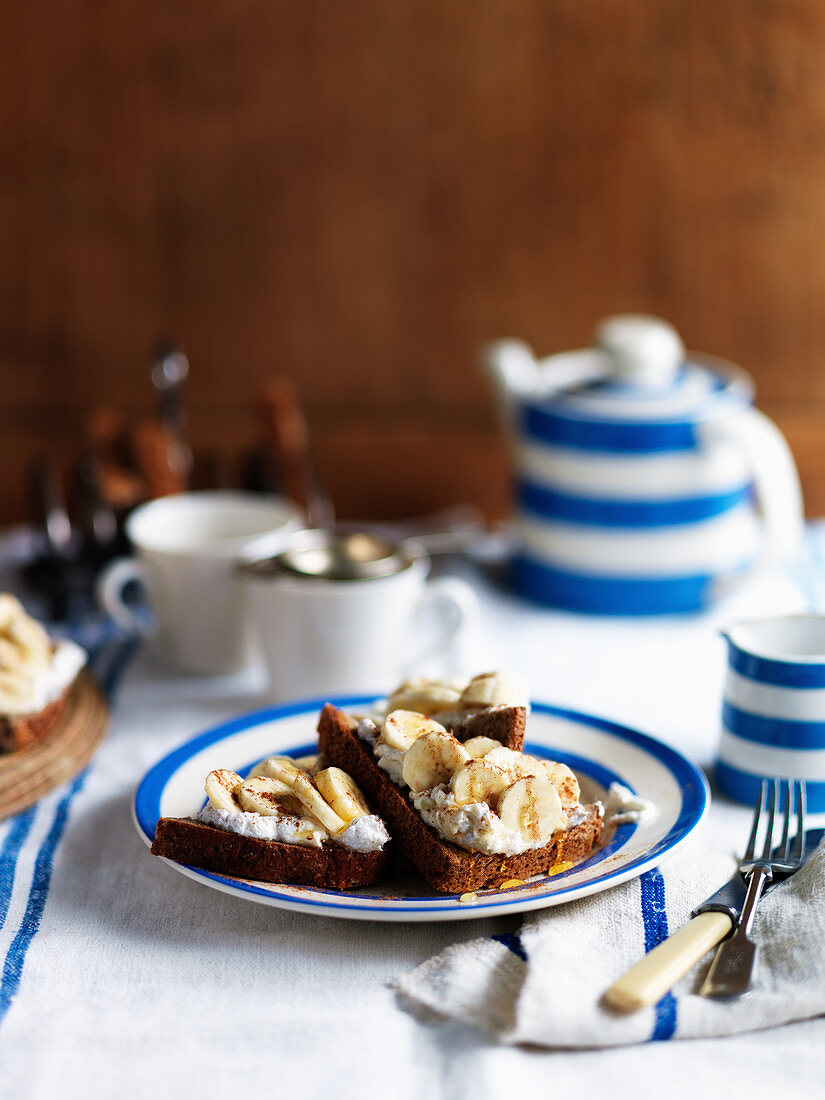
(359, 192)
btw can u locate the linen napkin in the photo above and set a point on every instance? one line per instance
(544, 986)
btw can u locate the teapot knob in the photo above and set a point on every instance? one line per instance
(646, 351)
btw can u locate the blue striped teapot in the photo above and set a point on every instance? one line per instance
(645, 480)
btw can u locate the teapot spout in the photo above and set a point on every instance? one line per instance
(512, 368)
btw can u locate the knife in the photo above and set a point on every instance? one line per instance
(649, 979)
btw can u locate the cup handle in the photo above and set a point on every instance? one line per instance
(457, 595)
(776, 485)
(109, 589)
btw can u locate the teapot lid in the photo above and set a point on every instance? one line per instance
(638, 371)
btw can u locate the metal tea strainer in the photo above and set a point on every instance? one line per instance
(339, 553)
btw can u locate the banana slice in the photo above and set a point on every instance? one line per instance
(516, 763)
(402, 727)
(313, 763)
(478, 781)
(25, 641)
(424, 696)
(280, 762)
(220, 787)
(8, 607)
(303, 789)
(342, 793)
(281, 767)
(262, 767)
(269, 797)
(521, 766)
(432, 759)
(478, 747)
(31, 640)
(533, 807)
(301, 786)
(16, 691)
(563, 780)
(494, 689)
(10, 656)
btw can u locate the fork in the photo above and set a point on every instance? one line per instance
(732, 969)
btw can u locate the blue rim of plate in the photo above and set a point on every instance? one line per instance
(694, 788)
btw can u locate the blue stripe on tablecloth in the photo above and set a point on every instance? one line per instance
(780, 733)
(16, 956)
(654, 916)
(12, 972)
(13, 842)
(93, 636)
(512, 941)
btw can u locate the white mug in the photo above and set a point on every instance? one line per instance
(332, 637)
(188, 546)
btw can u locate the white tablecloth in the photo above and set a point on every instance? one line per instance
(122, 978)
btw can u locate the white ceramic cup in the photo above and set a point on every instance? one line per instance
(329, 637)
(187, 549)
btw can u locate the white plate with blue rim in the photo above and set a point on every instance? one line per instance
(599, 751)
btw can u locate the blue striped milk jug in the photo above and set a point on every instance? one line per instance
(645, 480)
(773, 714)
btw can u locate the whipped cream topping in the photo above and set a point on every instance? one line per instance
(624, 807)
(578, 814)
(472, 826)
(391, 761)
(286, 828)
(368, 730)
(364, 834)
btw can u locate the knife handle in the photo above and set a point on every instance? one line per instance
(651, 977)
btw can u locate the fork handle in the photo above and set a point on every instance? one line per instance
(651, 977)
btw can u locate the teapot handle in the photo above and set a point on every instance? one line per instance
(776, 483)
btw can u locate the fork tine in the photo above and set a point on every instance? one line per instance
(766, 850)
(799, 843)
(786, 826)
(757, 814)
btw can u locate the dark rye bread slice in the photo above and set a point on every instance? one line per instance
(332, 866)
(18, 731)
(447, 868)
(504, 724)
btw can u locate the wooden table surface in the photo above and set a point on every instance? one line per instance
(360, 194)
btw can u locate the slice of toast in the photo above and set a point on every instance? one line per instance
(18, 731)
(504, 724)
(331, 866)
(501, 723)
(447, 868)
